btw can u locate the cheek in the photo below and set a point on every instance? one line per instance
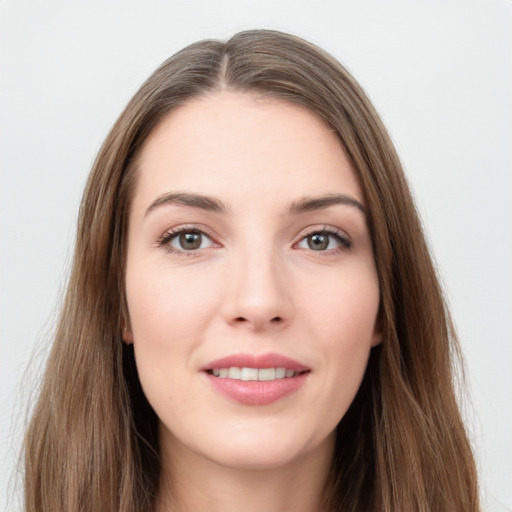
(342, 320)
(165, 306)
(169, 315)
(343, 309)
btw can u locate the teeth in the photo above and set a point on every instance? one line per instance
(263, 374)
(234, 373)
(248, 374)
(267, 374)
(281, 373)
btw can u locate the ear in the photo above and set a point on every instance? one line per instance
(377, 332)
(124, 320)
(376, 339)
(127, 336)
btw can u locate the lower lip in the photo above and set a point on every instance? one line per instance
(257, 392)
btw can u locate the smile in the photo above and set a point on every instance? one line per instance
(245, 373)
(260, 379)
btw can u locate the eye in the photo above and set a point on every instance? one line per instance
(186, 240)
(324, 241)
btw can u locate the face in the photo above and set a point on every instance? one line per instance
(250, 281)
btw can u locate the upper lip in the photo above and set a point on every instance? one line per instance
(268, 360)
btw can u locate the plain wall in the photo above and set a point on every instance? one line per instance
(439, 72)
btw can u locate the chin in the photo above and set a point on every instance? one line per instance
(248, 458)
(258, 451)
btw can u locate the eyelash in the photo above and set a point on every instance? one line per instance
(341, 238)
(165, 240)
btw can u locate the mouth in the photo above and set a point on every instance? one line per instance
(251, 374)
(256, 379)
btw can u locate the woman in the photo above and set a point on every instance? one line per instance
(253, 318)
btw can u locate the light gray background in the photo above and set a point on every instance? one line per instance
(439, 71)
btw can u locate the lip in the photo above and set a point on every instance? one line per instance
(256, 392)
(268, 360)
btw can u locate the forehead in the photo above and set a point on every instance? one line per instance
(243, 147)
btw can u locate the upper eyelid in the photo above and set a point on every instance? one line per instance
(304, 232)
(172, 233)
(343, 238)
(322, 229)
(165, 241)
(189, 227)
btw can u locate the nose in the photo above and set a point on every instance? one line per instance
(258, 294)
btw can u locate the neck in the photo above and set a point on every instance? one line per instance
(201, 484)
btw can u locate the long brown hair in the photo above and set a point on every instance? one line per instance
(92, 444)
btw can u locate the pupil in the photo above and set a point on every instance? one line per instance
(190, 240)
(318, 242)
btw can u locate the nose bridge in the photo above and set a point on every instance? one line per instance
(258, 295)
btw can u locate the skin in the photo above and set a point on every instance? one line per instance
(255, 285)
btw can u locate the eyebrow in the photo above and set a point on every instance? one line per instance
(308, 204)
(185, 199)
(207, 203)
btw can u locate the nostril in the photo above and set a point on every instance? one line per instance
(258, 321)
(276, 319)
